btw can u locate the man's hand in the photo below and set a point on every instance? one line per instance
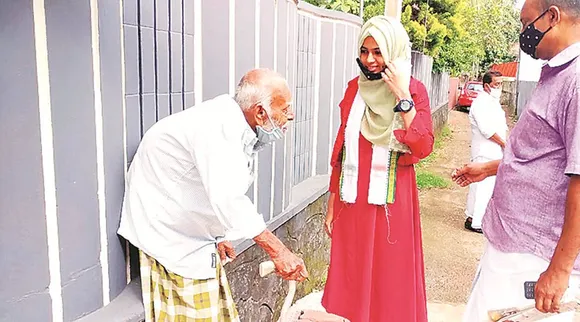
(226, 250)
(289, 266)
(469, 173)
(549, 290)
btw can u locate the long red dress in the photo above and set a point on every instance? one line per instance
(376, 271)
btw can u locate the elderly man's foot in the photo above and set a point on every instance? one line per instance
(468, 226)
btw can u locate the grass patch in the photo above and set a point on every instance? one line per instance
(440, 138)
(428, 180)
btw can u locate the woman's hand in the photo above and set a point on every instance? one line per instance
(398, 82)
(329, 215)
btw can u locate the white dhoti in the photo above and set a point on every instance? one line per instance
(478, 198)
(499, 284)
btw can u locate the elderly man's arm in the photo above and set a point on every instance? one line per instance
(554, 281)
(224, 172)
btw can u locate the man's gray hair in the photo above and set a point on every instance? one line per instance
(258, 86)
(571, 7)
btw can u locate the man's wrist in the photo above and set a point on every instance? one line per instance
(269, 243)
(560, 268)
(491, 168)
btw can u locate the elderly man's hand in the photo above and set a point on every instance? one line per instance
(226, 250)
(289, 266)
(469, 173)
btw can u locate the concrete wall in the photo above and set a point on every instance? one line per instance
(61, 158)
(437, 84)
(509, 96)
(82, 82)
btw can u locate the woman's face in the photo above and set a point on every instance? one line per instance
(370, 55)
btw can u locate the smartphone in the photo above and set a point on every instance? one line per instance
(367, 73)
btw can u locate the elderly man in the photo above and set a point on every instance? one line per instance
(488, 135)
(532, 222)
(185, 200)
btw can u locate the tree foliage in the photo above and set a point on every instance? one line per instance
(463, 36)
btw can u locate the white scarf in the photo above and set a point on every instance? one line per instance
(383, 164)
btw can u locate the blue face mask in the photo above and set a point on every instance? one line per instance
(267, 137)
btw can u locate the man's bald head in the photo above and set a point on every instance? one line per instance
(260, 86)
(263, 94)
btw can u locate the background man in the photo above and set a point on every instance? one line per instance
(488, 136)
(185, 194)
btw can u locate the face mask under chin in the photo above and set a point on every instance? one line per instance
(268, 136)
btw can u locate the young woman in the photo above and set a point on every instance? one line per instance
(376, 271)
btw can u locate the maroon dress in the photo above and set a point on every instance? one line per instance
(376, 271)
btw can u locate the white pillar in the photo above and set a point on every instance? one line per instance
(393, 8)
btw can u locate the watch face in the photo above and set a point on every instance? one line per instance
(405, 105)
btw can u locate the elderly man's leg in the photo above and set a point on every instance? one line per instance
(168, 297)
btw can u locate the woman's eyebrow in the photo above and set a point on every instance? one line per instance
(363, 47)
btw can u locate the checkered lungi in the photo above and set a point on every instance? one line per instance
(168, 297)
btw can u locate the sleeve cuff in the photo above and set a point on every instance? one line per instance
(486, 134)
(251, 227)
(573, 169)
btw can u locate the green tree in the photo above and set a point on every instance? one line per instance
(463, 36)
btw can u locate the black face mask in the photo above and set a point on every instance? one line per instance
(531, 37)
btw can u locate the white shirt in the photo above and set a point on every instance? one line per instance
(487, 118)
(185, 190)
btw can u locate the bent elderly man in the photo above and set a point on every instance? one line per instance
(532, 222)
(185, 200)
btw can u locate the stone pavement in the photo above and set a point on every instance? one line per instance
(438, 312)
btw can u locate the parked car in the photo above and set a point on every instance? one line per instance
(469, 92)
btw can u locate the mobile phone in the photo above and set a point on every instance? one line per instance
(529, 290)
(367, 73)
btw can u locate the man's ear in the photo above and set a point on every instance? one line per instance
(260, 113)
(555, 15)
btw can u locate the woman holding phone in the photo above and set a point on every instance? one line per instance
(376, 271)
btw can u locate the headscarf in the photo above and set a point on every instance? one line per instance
(379, 119)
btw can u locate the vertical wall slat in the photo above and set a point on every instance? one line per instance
(73, 119)
(326, 101)
(112, 102)
(22, 200)
(215, 58)
(162, 58)
(188, 53)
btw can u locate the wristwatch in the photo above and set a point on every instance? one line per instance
(404, 106)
